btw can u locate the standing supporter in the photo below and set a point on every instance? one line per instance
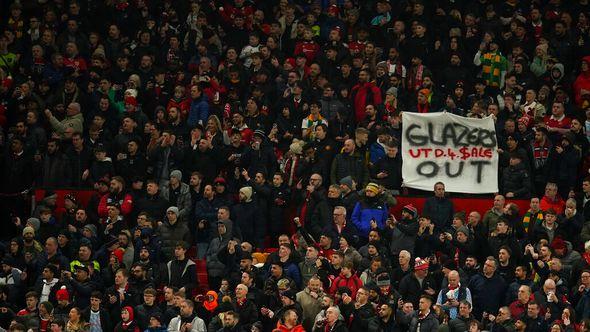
(112, 102)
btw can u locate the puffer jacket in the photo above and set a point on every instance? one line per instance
(425, 324)
(247, 219)
(517, 180)
(170, 234)
(183, 203)
(366, 210)
(460, 324)
(75, 122)
(353, 165)
(215, 268)
(55, 171)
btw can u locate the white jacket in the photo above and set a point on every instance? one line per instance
(176, 323)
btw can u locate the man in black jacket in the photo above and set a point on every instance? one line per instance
(314, 210)
(147, 309)
(411, 289)
(96, 315)
(461, 323)
(245, 308)
(79, 156)
(54, 166)
(181, 272)
(439, 208)
(424, 318)
(516, 180)
(82, 285)
(349, 162)
(153, 203)
(363, 316)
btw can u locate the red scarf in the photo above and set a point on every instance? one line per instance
(416, 79)
(303, 212)
(122, 6)
(453, 288)
(586, 257)
(240, 302)
(423, 108)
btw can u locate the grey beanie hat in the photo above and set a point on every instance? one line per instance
(173, 209)
(176, 174)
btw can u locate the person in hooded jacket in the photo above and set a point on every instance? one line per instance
(180, 271)
(215, 268)
(127, 322)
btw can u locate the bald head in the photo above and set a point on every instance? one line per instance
(349, 146)
(453, 278)
(549, 286)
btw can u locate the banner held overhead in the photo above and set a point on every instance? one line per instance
(460, 152)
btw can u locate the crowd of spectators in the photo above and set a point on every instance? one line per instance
(254, 144)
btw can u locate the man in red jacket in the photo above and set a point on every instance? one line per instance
(347, 279)
(116, 194)
(363, 94)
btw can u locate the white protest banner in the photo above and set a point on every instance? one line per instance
(460, 152)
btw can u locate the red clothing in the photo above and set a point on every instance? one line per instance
(357, 45)
(126, 203)
(77, 63)
(551, 121)
(558, 205)
(362, 95)
(582, 82)
(229, 12)
(183, 105)
(517, 308)
(214, 90)
(284, 328)
(353, 283)
(308, 48)
(247, 134)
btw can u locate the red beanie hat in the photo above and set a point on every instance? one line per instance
(62, 294)
(119, 254)
(291, 61)
(131, 100)
(420, 264)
